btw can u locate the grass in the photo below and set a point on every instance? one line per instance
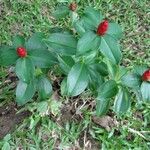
(45, 133)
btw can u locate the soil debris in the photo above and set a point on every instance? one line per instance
(9, 119)
(106, 122)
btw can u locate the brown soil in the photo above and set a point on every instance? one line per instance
(9, 119)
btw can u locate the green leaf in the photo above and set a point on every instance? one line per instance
(63, 43)
(101, 68)
(36, 42)
(6, 146)
(139, 70)
(122, 102)
(114, 30)
(95, 79)
(89, 57)
(131, 80)
(64, 87)
(145, 90)
(92, 18)
(43, 58)
(110, 49)
(113, 70)
(66, 63)
(138, 97)
(32, 148)
(77, 79)
(79, 27)
(61, 12)
(122, 71)
(108, 90)
(102, 106)
(8, 56)
(57, 29)
(39, 72)
(44, 87)
(18, 41)
(89, 41)
(25, 69)
(25, 92)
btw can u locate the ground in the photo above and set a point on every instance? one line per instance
(71, 125)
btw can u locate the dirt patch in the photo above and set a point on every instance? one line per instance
(86, 142)
(106, 122)
(9, 118)
(72, 111)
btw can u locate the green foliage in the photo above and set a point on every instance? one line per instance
(7, 56)
(25, 69)
(77, 79)
(102, 106)
(136, 51)
(64, 87)
(89, 41)
(114, 30)
(18, 41)
(110, 49)
(43, 58)
(106, 91)
(44, 87)
(66, 63)
(61, 12)
(145, 90)
(122, 101)
(86, 60)
(62, 43)
(131, 80)
(25, 92)
(91, 18)
(35, 42)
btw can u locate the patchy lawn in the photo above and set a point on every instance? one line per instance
(69, 124)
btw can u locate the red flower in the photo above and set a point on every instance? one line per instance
(146, 75)
(21, 51)
(73, 6)
(102, 28)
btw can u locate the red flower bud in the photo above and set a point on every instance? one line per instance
(146, 75)
(73, 6)
(21, 51)
(102, 28)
